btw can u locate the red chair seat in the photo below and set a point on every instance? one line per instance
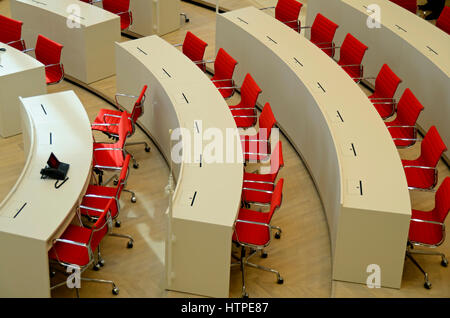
(252, 233)
(73, 254)
(257, 196)
(101, 119)
(418, 178)
(107, 158)
(98, 203)
(401, 132)
(424, 232)
(259, 177)
(226, 93)
(385, 110)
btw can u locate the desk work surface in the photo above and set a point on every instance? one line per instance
(54, 123)
(14, 61)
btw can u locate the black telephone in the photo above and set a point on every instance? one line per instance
(55, 170)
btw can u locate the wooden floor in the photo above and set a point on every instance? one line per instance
(302, 255)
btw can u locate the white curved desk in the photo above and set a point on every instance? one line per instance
(207, 195)
(88, 53)
(340, 136)
(20, 75)
(416, 50)
(35, 212)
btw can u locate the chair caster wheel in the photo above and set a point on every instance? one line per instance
(135, 165)
(244, 295)
(115, 291)
(277, 235)
(96, 267)
(444, 262)
(264, 255)
(130, 244)
(147, 149)
(117, 224)
(116, 182)
(427, 285)
(101, 263)
(52, 274)
(280, 281)
(133, 199)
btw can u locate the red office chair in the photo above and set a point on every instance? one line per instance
(443, 22)
(410, 5)
(386, 84)
(427, 228)
(11, 33)
(111, 156)
(98, 196)
(253, 230)
(122, 9)
(403, 128)
(76, 246)
(352, 54)
(224, 66)
(107, 120)
(257, 147)
(287, 11)
(194, 48)
(258, 188)
(48, 53)
(244, 113)
(421, 173)
(322, 34)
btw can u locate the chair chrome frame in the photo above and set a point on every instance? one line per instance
(427, 168)
(413, 140)
(15, 41)
(50, 65)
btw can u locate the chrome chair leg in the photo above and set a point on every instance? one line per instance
(133, 195)
(115, 290)
(130, 239)
(267, 269)
(147, 149)
(427, 283)
(444, 261)
(242, 262)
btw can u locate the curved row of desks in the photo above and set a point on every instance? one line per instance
(416, 50)
(20, 75)
(35, 212)
(340, 136)
(208, 191)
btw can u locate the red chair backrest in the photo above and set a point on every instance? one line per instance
(100, 228)
(224, 65)
(288, 10)
(138, 108)
(122, 7)
(194, 48)
(249, 92)
(123, 176)
(277, 197)
(442, 200)
(443, 22)
(386, 82)
(352, 51)
(410, 5)
(432, 147)
(266, 121)
(323, 30)
(276, 159)
(408, 108)
(48, 51)
(11, 30)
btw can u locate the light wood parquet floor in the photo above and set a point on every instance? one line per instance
(302, 255)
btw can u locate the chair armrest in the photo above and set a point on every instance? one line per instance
(108, 149)
(69, 242)
(420, 167)
(204, 61)
(20, 40)
(92, 125)
(222, 80)
(242, 116)
(28, 50)
(49, 65)
(257, 190)
(242, 108)
(266, 8)
(178, 45)
(401, 126)
(252, 222)
(427, 221)
(263, 182)
(99, 196)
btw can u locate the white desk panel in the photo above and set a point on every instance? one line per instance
(207, 196)
(416, 50)
(323, 112)
(88, 34)
(35, 212)
(20, 75)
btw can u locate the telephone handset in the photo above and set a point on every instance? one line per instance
(55, 170)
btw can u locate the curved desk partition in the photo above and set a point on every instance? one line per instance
(35, 212)
(209, 183)
(416, 50)
(88, 34)
(340, 136)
